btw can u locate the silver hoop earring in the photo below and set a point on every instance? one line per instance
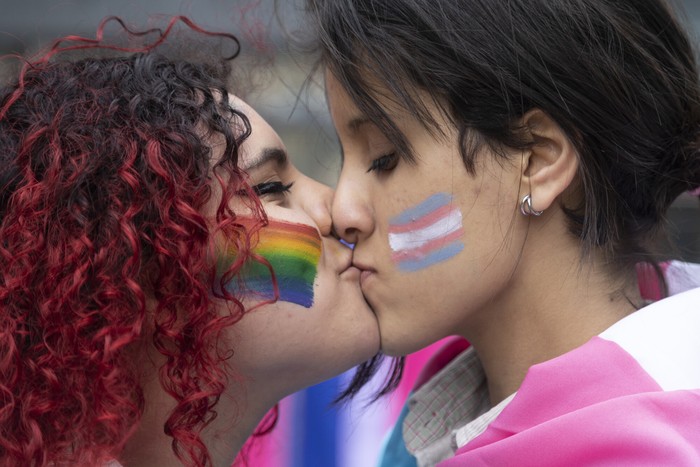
(526, 207)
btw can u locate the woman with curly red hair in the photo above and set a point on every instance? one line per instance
(167, 274)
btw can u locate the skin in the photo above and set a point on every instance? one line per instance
(518, 291)
(282, 347)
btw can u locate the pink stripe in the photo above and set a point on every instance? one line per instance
(424, 221)
(649, 284)
(273, 449)
(432, 245)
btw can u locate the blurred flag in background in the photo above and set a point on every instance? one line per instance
(310, 432)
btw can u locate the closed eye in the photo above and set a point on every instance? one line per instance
(384, 163)
(272, 188)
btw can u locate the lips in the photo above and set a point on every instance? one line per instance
(364, 276)
(345, 263)
(365, 271)
(348, 268)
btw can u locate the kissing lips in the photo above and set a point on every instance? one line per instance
(366, 272)
(365, 275)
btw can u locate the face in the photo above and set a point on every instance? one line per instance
(321, 324)
(437, 246)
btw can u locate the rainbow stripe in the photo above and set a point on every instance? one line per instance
(293, 250)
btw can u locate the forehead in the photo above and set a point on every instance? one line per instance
(263, 139)
(350, 121)
(383, 106)
(425, 116)
(339, 101)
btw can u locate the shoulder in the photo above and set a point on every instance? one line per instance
(658, 428)
(663, 339)
(629, 396)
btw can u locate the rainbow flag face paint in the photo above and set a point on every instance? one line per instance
(293, 251)
(426, 234)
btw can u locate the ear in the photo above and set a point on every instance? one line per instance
(552, 162)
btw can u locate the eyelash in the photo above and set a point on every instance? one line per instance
(272, 188)
(384, 163)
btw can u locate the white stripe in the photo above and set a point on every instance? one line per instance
(363, 427)
(477, 426)
(682, 276)
(663, 338)
(452, 222)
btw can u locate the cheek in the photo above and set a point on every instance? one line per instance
(292, 251)
(426, 234)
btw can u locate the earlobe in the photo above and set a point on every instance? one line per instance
(551, 163)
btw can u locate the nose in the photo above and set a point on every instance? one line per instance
(318, 203)
(351, 211)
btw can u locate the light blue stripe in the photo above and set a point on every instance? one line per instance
(436, 201)
(394, 453)
(447, 252)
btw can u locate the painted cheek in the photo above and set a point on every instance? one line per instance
(426, 234)
(293, 252)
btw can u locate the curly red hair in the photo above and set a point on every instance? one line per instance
(105, 173)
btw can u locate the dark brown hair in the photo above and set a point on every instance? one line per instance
(618, 76)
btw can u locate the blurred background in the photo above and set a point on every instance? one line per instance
(267, 29)
(309, 432)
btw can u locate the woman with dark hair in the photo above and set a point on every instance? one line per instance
(167, 274)
(506, 167)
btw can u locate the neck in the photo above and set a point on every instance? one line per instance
(556, 302)
(235, 423)
(224, 437)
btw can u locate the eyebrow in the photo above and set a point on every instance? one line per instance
(358, 122)
(277, 155)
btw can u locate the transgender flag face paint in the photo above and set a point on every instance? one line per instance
(426, 234)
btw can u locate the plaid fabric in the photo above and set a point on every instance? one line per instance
(453, 400)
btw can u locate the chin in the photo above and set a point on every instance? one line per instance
(401, 348)
(363, 350)
(392, 350)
